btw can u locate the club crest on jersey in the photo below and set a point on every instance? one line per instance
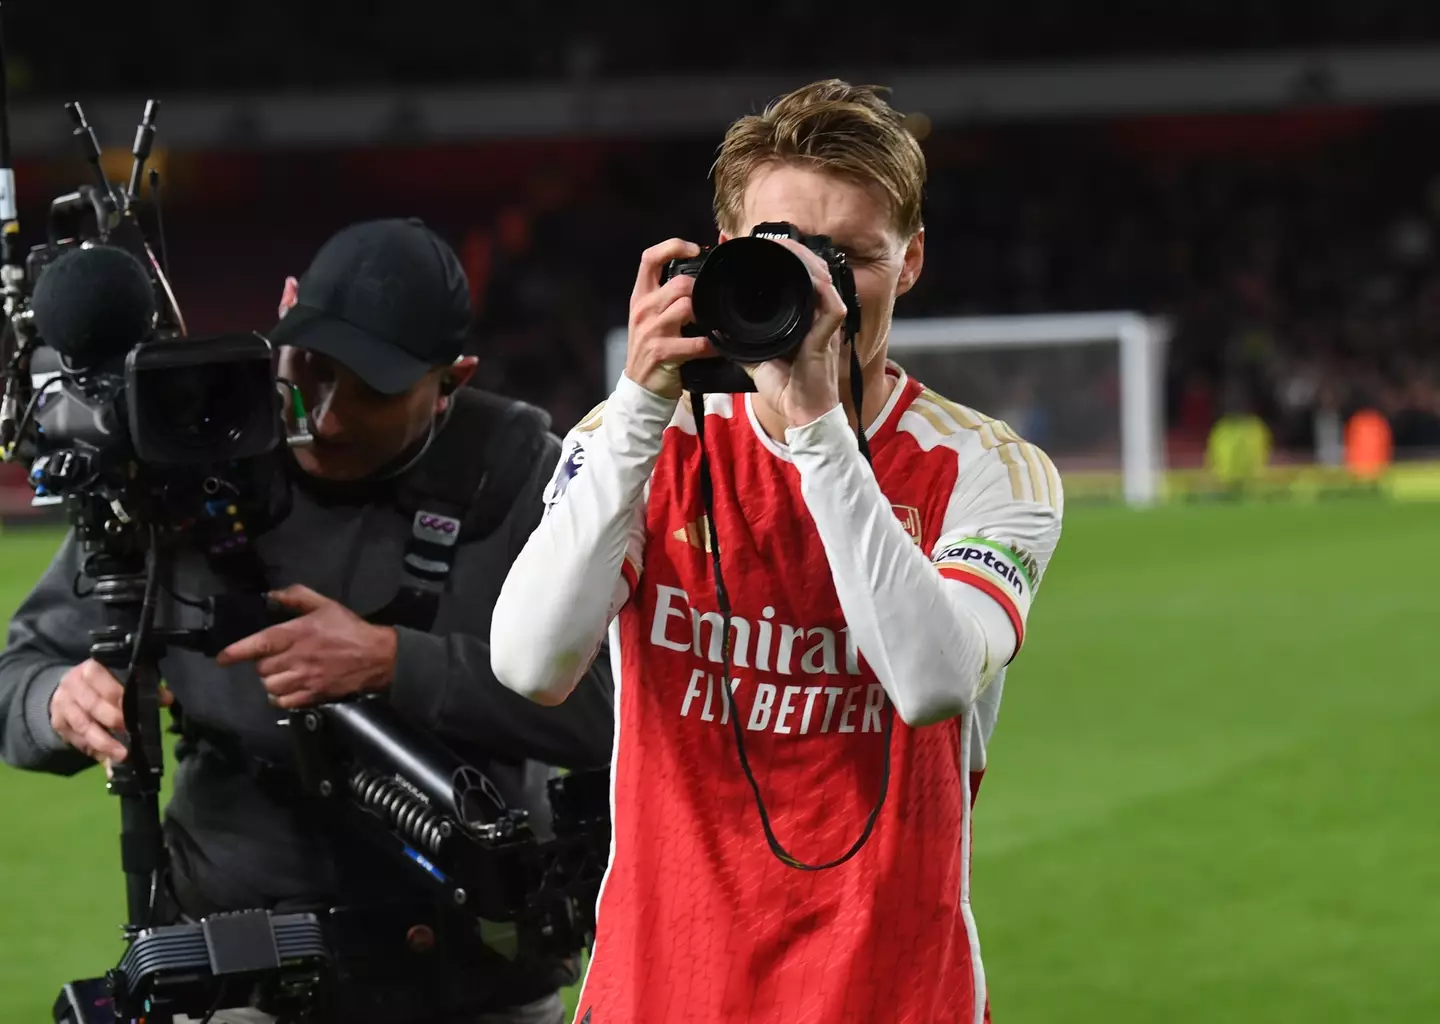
(909, 517)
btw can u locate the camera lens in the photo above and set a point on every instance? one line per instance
(198, 402)
(203, 408)
(757, 296)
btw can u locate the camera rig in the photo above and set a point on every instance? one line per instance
(385, 781)
(165, 456)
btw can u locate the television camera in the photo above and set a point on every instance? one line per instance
(150, 441)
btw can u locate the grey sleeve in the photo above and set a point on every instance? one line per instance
(48, 635)
(446, 683)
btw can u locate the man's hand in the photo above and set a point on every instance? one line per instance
(327, 653)
(656, 349)
(85, 709)
(806, 386)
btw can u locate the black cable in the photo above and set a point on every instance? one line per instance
(722, 597)
(147, 603)
(159, 220)
(75, 583)
(189, 602)
(215, 1006)
(29, 413)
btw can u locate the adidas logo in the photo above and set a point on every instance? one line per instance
(696, 534)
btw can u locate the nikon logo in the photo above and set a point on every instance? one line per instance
(774, 236)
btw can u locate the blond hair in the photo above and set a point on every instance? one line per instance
(833, 127)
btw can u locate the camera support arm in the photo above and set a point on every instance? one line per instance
(391, 783)
(404, 790)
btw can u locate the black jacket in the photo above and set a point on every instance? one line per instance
(233, 846)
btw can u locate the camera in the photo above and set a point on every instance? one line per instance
(202, 402)
(755, 301)
(138, 434)
(131, 412)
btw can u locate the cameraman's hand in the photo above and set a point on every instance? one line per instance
(326, 654)
(657, 313)
(85, 709)
(807, 386)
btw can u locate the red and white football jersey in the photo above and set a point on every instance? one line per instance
(698, 920)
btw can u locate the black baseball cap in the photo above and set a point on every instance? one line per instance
(387, 299)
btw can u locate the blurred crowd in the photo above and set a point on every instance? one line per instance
(1295, 255)
(1301, 277)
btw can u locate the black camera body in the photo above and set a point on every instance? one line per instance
(178, 412)
(133, 424)
(755, 301)
(127, 384)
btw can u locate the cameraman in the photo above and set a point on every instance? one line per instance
(372, 335)
(863, 583)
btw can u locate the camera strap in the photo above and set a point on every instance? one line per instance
(460, 491)
(722, 598)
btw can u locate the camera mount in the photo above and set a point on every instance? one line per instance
(383, 779)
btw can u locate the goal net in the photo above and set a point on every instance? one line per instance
(1086, 387)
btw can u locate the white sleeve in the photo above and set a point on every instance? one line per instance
(582, 562)
(936, 628)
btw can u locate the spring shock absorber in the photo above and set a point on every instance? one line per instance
(405, 811)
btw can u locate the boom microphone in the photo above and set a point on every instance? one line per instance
(92, 305)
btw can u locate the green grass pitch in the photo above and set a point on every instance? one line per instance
(1212, 794)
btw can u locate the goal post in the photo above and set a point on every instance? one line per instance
(1087, 387)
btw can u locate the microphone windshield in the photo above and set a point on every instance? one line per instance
(93, 305)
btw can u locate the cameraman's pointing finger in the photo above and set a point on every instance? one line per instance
(279, 638)
(267, 643)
